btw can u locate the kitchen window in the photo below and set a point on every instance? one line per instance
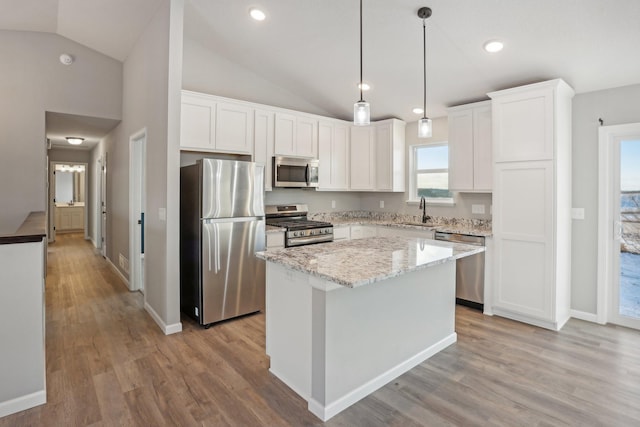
(430, 173)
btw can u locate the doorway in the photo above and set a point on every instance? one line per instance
(101, 208)
(620, 201)
(67, 198)
(137, 207)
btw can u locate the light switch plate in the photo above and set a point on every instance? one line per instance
(333, 204)
(162, 214)
(577, 213)
(477, 209)
(382, 203)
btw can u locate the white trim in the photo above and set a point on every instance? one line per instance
(335, 407)
(22, 403)
(607, 136)
(535, 321)
(583, 315)
(134, 262)
(167, 329)
(118, 272)
(413, 170)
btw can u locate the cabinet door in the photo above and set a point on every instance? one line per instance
(523, 238)
(482, 149)
(306, 142)
(234, 128)
(263, 144)
(461, 150)
(77, 218)
(333, 145)
(384, 157)
(197, 123)
(341, 233)
(362, 158)
(523, 126)
(275, 240)
(325, 148)
(285, 135)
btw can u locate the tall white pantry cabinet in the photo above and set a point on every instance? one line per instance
(532, 203)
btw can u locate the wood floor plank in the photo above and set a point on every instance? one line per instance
(109, 364)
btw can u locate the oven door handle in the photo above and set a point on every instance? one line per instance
(307, 240)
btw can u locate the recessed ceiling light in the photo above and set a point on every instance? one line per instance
(418, 110)
(493, 46)
(257, 14)
(364, 86)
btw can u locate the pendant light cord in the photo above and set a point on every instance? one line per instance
(424, 74)
(361, 97)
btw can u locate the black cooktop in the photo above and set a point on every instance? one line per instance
(297, 224)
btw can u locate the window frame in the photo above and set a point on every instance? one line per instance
(413, 176)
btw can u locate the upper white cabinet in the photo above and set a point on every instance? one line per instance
(532, 203)
(377, 156)
(212, 124)
(333, 153)
(263, 125)
(362, 155)
(390, 154)
(296, 135)
(470, 147)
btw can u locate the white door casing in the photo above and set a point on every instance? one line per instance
(137, 202)
(609, 227)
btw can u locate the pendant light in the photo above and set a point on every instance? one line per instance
(424, 124)
(361, 112)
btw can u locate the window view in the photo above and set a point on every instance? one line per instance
(431, 171)
(630, 220)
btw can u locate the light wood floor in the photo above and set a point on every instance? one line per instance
(109, 365)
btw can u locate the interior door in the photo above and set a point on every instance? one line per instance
(103, 206)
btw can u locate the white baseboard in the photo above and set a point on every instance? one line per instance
(167, 329)
(337, 406)
(583, 315)
(118, 272)
(23, 402)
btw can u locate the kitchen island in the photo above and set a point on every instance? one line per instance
(345, 318)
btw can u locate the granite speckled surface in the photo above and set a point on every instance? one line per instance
(353, 263)
(474, 227)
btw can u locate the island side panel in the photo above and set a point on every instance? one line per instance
(365, 337)
(288, 327)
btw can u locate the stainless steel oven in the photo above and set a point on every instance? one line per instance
(295, 172)
(298, 229)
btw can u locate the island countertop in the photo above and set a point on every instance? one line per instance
(354, 263)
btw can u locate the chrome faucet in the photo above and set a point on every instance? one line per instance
(423, 206)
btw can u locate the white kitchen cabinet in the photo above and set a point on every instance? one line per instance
(470, 147)
(296, 135)
(263, 144)
(363, 231)
(275, 240)
(389, 155)
(214, 124)
(341, 232)
(333, 153)
(532, 203)
(362, 157)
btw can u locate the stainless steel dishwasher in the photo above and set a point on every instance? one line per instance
(469, 271)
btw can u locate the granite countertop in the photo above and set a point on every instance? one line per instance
(449, 228)
(353, 263)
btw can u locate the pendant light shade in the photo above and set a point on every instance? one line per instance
(361, 111)
(424, 124)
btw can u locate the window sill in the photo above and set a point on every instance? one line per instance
(433, 202)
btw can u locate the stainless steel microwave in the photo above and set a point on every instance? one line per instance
(295, 172)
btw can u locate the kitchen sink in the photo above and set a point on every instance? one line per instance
(420, 224)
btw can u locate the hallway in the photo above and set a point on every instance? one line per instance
(108, 364)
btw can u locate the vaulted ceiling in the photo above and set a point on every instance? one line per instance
(310, 48)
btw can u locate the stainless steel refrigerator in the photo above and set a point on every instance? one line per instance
(222, 226)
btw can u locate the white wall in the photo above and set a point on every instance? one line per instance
(33, 81)
(614, 106)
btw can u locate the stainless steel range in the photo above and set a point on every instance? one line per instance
(299, 230)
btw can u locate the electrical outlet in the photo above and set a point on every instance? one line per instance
(477, 209)
(333, 204)
(381, 203)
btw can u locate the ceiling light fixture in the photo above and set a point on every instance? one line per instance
(257, 14)
(493, 46)
(418, 110)
(424, 124)
(364, 86)
(361, 110)
(74, 140)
